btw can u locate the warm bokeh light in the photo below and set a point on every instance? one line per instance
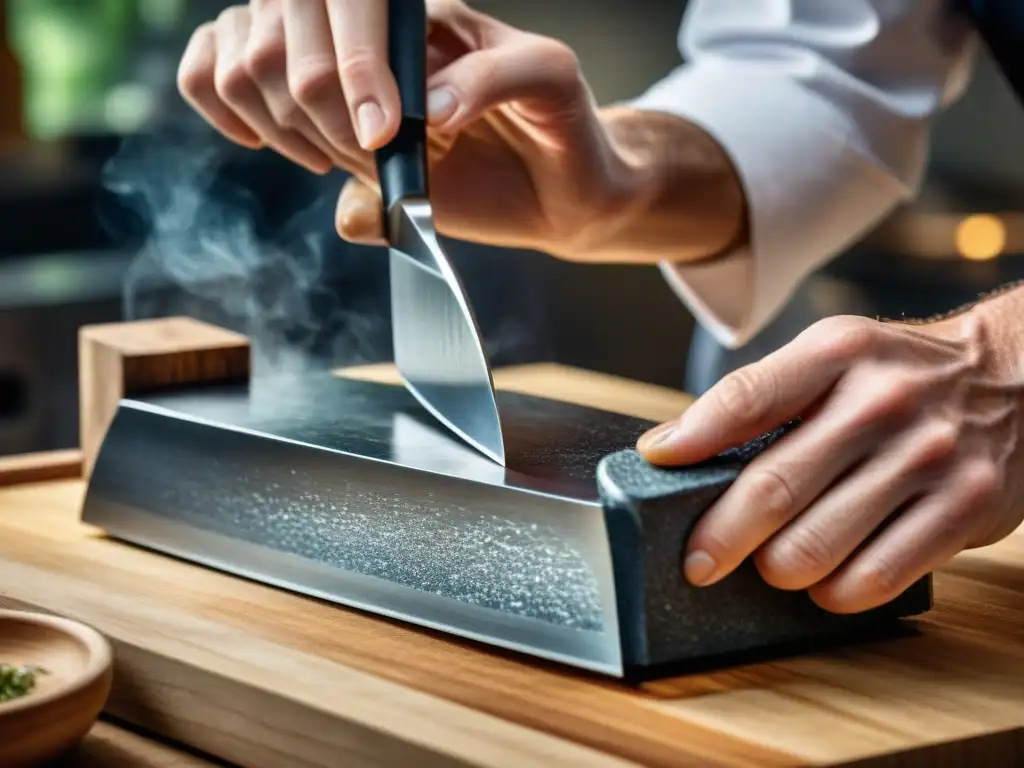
(980, 237)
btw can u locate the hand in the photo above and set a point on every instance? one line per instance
(909, 451)
(520, 154)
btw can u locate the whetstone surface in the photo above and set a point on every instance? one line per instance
(347, 491)
(116, 360)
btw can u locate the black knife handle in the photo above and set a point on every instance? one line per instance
(402, 164)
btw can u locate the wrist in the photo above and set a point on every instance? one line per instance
(1000, 318)
(993, 329)
(672, 194)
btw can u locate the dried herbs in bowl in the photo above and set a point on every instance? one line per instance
(16, 682)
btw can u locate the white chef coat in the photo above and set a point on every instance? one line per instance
(824, 107)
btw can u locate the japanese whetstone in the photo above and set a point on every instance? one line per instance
(650, 512)
(348, 491)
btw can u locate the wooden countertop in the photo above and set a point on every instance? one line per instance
(111, 746)
(261, 677)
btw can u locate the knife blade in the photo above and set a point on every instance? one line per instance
(438, 349)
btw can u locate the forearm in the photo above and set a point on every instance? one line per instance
(675, 194)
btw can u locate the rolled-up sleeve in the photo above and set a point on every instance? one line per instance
(824, 107)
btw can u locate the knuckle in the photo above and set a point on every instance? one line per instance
(290, 115)
(796, 559)
(233, 83)
(196, 71)
(358, 64)
(937, 445)
(233, 14)
(881, 579)
(847, 336)
(769, 490)
(890, 397)
(562, 63)
(266, 59)
(559, 56)
(982, 480)
(901, 387)
(878, 582)
(313, 80)
(743, 394)
(195, 82)
(825, 596)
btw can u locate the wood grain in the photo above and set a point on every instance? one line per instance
(41, 466)
(122, 359)
(109, 746)
(248, 673)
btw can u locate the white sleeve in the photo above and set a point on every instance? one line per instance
(824, 107)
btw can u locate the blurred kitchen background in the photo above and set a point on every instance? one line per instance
(84, 81)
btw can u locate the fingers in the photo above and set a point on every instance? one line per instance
(864, 410)
(267, 63)
(359, 29)
(237, 89)
(830, 531)
(527, 69)
(196, 83)
(312, 79)
(314, 82)
(761, 396)
(923, 538)
(774, 489)
(359, 217)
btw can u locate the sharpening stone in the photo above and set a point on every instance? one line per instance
(348, 491)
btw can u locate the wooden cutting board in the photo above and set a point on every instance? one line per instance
(261, 677)
(110, 746)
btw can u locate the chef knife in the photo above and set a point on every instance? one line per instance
(437, 345)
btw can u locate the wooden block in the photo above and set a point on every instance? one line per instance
(40, 467)
(112, 746)
(117, 360)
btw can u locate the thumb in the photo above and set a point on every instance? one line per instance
(359, 217)
(540, 74)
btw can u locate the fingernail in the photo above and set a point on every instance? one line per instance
(440, 104)
(699, 567)
(656, 436)
(370, 124)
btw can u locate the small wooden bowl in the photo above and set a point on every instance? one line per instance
(66, 700)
